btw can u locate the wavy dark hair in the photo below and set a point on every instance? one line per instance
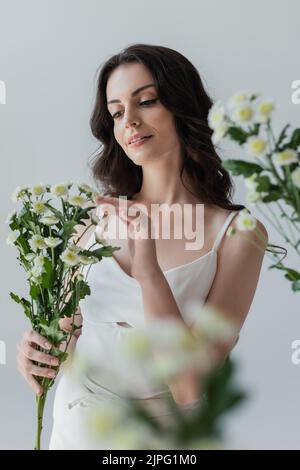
(180, 89)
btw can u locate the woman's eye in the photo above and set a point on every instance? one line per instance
(147, 103)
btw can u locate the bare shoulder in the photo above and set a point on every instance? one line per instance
(257, 237)
(252, 241)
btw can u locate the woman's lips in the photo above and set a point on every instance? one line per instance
(140, 141)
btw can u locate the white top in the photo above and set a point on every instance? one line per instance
(117, 297)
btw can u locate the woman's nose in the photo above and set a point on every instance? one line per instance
(131, 118)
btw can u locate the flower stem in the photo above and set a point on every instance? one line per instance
(40, 400)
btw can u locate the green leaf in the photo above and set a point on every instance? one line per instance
(34, 291)
(240, 167)
(295, 139)
(237, 134)
(56, 212)
(273, 196)
(84, 213)
(25, 304)
(106, 251)
(282, 136)
(52, 331)
(291, 274)
(220, 396)
(24, 244)
(61, 355)
(67, 229)
(80, 292)
(295, 286)
(264, 184)
(47, 276)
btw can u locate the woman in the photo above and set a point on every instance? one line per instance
(154, 94)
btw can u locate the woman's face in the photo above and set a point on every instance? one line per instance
(140, 113)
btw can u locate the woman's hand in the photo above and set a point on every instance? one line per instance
(28, 353)
(142, 250)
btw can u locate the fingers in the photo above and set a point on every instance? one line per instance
(27, 353)
(31, 353)
(36, 387)
(32, 336)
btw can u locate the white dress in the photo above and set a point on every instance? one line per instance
(116, 297)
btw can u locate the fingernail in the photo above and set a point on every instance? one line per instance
(51, 374)
(54, 362)
(47, 345)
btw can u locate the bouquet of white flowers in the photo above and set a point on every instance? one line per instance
(272, 169)
(53, 263)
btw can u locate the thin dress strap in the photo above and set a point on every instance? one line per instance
(223, 230)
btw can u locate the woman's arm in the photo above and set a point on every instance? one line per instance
(232, 292)
(159, 302)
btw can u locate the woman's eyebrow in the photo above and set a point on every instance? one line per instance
(135, 92)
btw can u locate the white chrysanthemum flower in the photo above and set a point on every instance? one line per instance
(107, 418)
(77, 200)
(12, 237)
(95, 219)
(19, 193)
(137, 345)
(85, 188)
(59, 190)
(39, 260)
(245, 221)
(242, 114)
(37, 271)
(219, 133)
(10, 216)
(53, 242)
(30, 256)
(240, 98)
(216, 115)
(131, 434)
(100, 234)
(37, 243)
(286, 157)
(256, 146)
(296, 177)
(38, 189)
(95, 195)
(70, 258)
(39, 207)
(49, 220)
(73, 247)
(252, 197)
(263, 111)
(251, 182)
(211, 323)
(85, 260)
(171, 335)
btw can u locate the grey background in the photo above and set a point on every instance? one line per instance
(49, 53)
